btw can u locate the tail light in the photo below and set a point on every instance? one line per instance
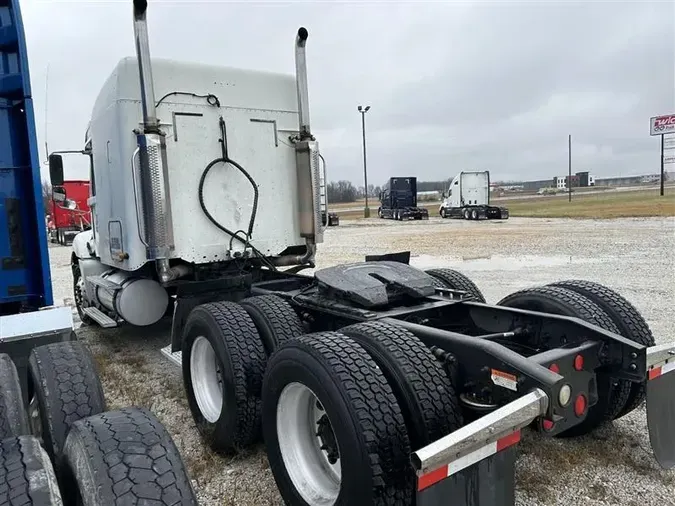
(580, 405)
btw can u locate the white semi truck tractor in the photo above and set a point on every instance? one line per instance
(371, 383)
(468, 197)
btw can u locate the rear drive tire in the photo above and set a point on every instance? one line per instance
(628, 320)
(13, 417)
(466, 214)
(612, 394)
(223, 365)
(65, 388)
(455, 280)
(426, 396)
(275, 319)
(26, 474)
(326, 384)
(474, 214)
(125, 457)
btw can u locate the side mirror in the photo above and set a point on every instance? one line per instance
(56, 170)
(58, 194)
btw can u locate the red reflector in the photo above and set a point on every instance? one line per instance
(547, 424)
(554, 368)
(580, 405)
(579, 362)
(654, 373)
(507, 441)
(428, 479)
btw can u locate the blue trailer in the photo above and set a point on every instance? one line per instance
(27, 315)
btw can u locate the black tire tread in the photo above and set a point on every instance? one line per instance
(68, 389)
(583, 308)
(424, 392)
(278, 315)
(131, 457)
(627, 318)
(457, 281)
(26, 474)
(13, 417)
(375, 405)
(248, 362)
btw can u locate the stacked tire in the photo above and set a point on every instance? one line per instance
(67, 449)
(339, 412)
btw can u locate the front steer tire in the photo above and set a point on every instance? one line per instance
(628, 320)
(223, 360)
(332, 378)
(125, 457)
(26, 474)
(79, 293)
(427, 398)
(612, 393)
(13, 418)
(66, 388)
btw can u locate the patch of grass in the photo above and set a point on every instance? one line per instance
(628, 204)
(203, 465)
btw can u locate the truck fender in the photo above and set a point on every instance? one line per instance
(80, 241)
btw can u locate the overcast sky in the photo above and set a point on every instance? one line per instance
(452, 85)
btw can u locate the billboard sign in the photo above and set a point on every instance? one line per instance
(660, 125)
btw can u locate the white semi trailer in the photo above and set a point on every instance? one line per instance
(468, 197)
(372, 383)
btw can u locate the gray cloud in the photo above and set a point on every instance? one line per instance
(490, 85)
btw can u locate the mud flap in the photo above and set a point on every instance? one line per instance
(489, 482)
(661, 411)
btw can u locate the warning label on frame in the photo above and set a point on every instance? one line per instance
(661, 125)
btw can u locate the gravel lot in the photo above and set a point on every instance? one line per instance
(612, 467)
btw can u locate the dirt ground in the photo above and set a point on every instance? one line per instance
(614, 466)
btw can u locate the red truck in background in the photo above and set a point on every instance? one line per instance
(71, 216)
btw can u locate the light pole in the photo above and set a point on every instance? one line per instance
(363, 111)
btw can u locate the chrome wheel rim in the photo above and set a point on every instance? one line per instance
(207, 379)
(308, 445)
(79, 297)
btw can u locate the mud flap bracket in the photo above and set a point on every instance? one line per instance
(475, 465)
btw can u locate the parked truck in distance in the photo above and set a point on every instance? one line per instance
(468, 197)
(69, 211)
(398, 200)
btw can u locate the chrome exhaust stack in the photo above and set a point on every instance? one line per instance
(307, 157)
(150, 161)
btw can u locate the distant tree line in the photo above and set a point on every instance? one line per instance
(345, 191)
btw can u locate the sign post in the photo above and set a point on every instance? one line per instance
(662, 125)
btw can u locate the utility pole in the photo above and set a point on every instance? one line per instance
(363, 111)
(663, 155)
(569, 160)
